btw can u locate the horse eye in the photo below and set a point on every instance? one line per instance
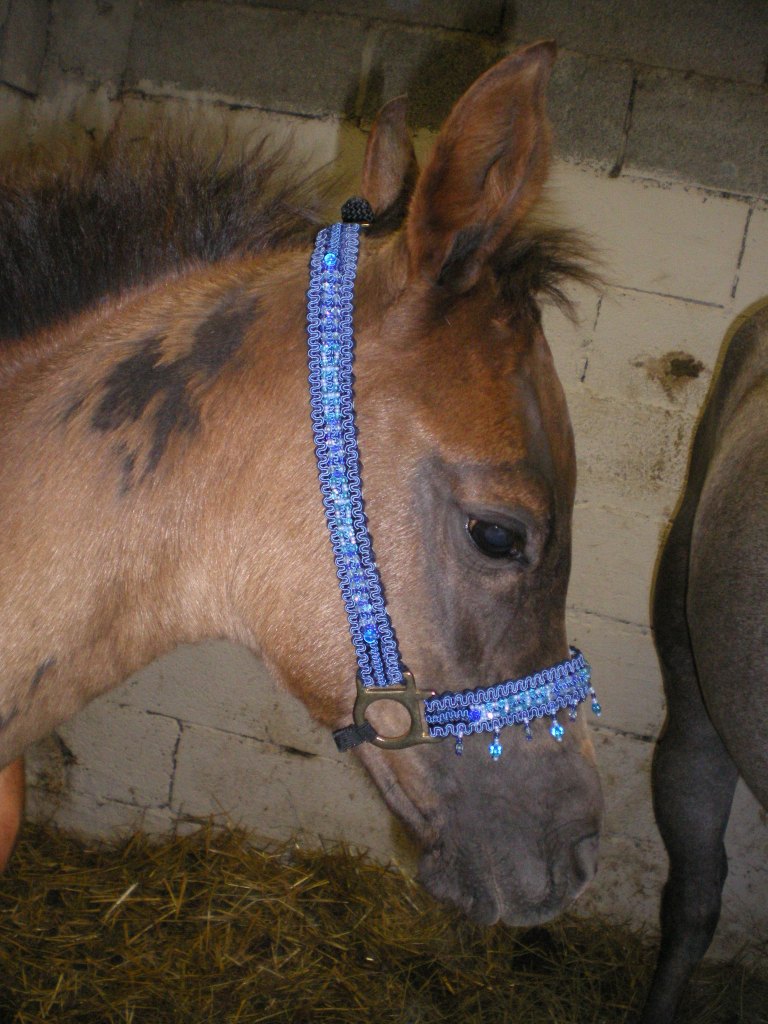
(496, 541)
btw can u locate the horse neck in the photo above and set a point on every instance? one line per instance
(144, 458)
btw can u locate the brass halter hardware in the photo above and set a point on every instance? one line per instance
(407, 695)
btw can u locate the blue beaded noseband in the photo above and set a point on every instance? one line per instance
(381, 675)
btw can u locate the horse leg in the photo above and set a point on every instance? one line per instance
(694, 780)
(11, 807)
(693, 784)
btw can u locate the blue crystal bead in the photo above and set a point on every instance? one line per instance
(474, 714)
(370, 634)
(459, 745)
(557, 730)
(596, 709)
(330, 259)
(528, 733)
(495, 748)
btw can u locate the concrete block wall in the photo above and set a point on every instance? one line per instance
(661, 115)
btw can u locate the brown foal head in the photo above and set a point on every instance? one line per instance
(464, 432)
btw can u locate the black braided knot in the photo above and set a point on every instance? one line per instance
(357, 211)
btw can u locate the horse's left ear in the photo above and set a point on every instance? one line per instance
(389, 168)
(486, 170)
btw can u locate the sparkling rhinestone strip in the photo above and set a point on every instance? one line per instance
(514, 702)
(331, 344)
(330, 355)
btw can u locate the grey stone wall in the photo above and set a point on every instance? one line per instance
(672, 88)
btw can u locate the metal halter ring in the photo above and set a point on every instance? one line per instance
(409, 697)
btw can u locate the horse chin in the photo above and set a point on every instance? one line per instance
(530, 895)
(519, 861)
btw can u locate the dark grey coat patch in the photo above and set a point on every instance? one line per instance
(143, 378)
(40, 671)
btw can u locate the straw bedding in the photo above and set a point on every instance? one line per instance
(208, 928)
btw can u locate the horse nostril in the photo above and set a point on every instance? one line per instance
(584, 859)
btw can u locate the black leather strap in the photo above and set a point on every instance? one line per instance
(353, 735)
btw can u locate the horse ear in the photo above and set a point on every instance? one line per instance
(389, 168)
(486, 170)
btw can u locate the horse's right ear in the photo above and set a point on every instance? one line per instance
(486, 170)
(389, 168)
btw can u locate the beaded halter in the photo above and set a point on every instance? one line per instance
(381, 674)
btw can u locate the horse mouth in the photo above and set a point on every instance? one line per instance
(484, 907)
(489, 895)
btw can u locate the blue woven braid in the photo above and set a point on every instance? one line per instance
(331, 350)
(331, 345)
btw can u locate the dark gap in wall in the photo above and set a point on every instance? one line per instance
(740, 257)
(615, 171)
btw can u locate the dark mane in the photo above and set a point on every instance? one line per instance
(128, 212)
(84, 227)
(539, 261)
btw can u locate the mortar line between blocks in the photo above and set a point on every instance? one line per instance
(598, 310)
(265, 740)
(615, 171)
(174, 761)
(366, 63)
(45, 59)
(586, 347)
(20, 91)
(128, 53)
(503, 20)
(669, 181)
(184, 95)
(670, 295)
(203, 725)
(578, 609)
(617, 731)
(740, 257)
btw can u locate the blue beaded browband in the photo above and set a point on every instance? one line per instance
(381, 675)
